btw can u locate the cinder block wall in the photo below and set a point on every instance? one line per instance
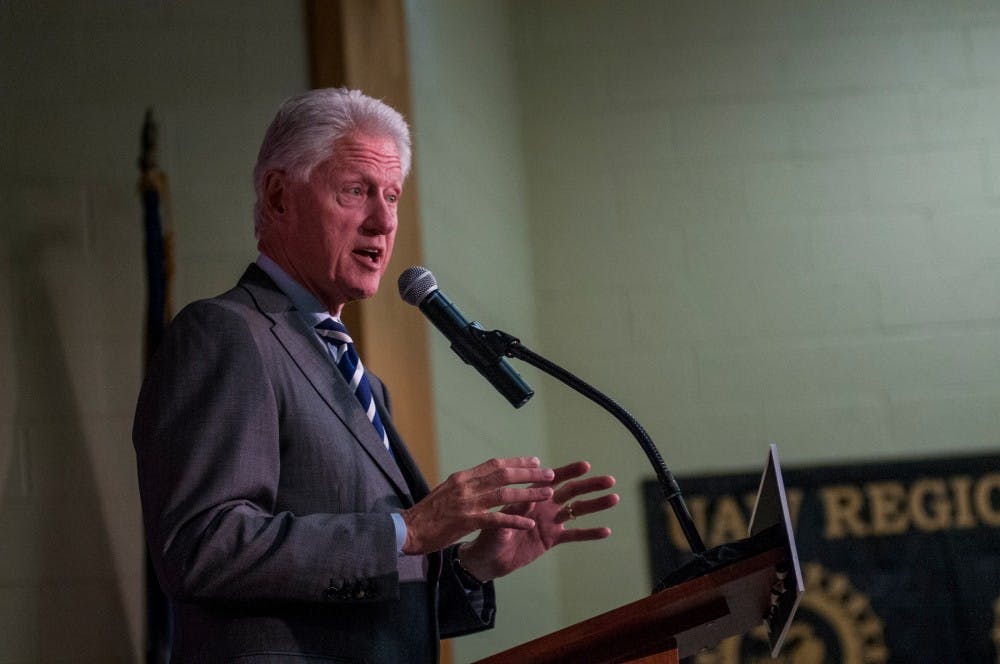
(757, 222)
(75, 80)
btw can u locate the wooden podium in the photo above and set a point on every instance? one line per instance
(676, 622)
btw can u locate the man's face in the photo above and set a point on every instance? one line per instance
(339, 226)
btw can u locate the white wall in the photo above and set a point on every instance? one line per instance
(749, 222)
(757, 222)
(75, 79)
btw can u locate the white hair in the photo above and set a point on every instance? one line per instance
(306, 127)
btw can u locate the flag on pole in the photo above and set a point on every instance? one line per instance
(159, 238)
(159, 272)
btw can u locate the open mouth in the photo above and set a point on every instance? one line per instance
(373, 255)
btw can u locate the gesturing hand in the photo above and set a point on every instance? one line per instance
(499, 550)
(462, 504)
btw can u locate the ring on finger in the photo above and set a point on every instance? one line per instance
(569, 512)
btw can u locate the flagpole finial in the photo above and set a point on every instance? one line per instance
(148, 163)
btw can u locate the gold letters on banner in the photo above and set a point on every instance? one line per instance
(870, 509)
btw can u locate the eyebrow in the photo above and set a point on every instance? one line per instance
(367, 174)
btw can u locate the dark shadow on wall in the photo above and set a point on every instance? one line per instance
(59, 586)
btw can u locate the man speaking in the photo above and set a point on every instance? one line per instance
(284, 514)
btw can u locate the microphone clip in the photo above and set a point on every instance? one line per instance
(497, 342)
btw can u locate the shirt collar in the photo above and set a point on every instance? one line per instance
(307, 305)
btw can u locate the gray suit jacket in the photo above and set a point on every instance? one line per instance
(267, 497)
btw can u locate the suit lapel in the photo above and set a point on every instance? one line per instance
(414, 478)
(306, 351)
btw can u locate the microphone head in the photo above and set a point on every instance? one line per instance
(415, 284)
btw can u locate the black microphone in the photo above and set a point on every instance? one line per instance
(417, 286)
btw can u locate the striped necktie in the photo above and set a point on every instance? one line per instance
(335, 334)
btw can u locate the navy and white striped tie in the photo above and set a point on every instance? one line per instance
(335, 334)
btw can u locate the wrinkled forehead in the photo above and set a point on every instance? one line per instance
(377, 154)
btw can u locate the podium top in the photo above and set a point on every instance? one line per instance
(688, 617)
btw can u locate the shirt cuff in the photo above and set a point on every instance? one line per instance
(397, 521)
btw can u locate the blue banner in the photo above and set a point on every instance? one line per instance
(901, 560)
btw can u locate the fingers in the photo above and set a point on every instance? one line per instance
(578, 508)
(511, 495)
(570, 471)
(593, 505)
(462, 503)
(521, 461)
(504, 519)
(489, 483)
(568, 491)
(584, 534)
(489, 467)
(497, 473)
(571, 490)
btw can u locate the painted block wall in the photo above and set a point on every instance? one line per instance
(75, 80)
(761, 222)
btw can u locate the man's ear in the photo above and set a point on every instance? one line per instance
(274, 194)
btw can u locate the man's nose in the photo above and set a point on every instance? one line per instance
(381, 217)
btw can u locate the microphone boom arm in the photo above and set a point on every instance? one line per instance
(502, 344)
